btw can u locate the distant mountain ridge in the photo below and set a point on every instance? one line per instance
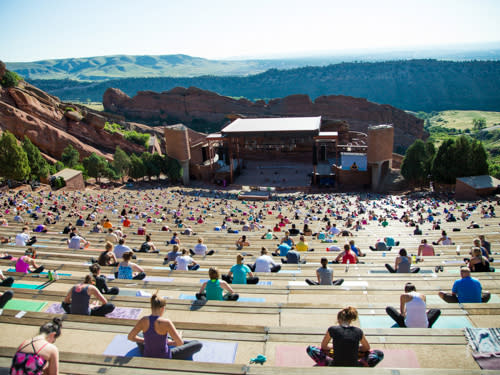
(417, 85)
(101, 68)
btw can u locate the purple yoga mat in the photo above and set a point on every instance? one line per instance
(487, 361)
(118, 312)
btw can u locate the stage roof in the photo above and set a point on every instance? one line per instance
(480, 182)
(282, 124)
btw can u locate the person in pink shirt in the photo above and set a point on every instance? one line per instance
(425, 249)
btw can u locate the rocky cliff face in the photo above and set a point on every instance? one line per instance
(193, 105)
(52, 125)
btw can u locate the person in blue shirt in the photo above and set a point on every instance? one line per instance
(213, 288)
(466, 290)
(238, 273)
(283, 249)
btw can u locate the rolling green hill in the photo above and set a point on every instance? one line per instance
(417, 85)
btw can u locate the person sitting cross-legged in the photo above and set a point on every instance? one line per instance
(213, 288)
(466, 290)
(78, 298)
(126, 268)
(324, 275)
(402, 264)
(413, 310)
(238, 273)
(156, 329)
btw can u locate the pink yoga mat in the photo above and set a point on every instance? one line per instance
(399, 358)
(292, 356)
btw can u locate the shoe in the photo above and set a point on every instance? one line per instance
(436, 269)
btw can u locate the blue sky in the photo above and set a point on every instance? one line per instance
(48, 29)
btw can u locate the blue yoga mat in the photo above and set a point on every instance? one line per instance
(241, 299)
(215, 352)
(290, 271)
(41, 273)
(259, 283)
(385, 321)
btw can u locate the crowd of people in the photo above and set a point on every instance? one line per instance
(324, 219)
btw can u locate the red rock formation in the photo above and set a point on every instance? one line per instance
(47, 122)
(188, 105)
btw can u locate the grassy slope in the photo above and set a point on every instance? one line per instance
(463, 119)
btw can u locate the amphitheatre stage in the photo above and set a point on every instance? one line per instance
(280, 175)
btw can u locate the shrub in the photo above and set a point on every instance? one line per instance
(10, 79)
(137, 138)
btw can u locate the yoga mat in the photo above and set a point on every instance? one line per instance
(24, 305)
(118, 312)
(385, 321)
(158, 278)
(399, 358)
(292, 356)
(27, 286)
(290, 271)
(259, 283)
(241, 299)
(215, 352)
(161, 268)
(387, 271)
(355, 283)
(297, 283)
(41, 273)
(487, 361)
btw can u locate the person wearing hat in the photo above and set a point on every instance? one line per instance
(466, 290)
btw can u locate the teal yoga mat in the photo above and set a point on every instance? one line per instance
(17, 285)
(241, 299)
(41, 273)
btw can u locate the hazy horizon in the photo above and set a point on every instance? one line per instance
(224, 29)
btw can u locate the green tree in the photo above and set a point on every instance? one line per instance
(478, 159)
(415, 166)
(479, 123)
(444, 163)
(172, 168)
(121, 162)
(70, 157)
(151, 168)
(13, 159)
(39, 166)
(157, 161)
(137, 168)
(95, 166)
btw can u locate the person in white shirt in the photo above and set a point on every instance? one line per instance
(76, 242)
(23, 238)
(201, 249)
(413, 308)
(121, 248)
(111, 237)
(334, 230)
(185, 263)
(265, 263)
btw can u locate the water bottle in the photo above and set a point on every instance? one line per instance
(56, 276)
(347, 266)
(50, 276)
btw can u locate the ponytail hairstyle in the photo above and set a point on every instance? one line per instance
(94, 268)
(347, 315)
(184, 251)
(409, 287)
(108, 246)
(88, 279)
(54, 326)
(156, 301)
(324, 262)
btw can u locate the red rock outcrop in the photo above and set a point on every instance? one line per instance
(192, 104)
(49, 123)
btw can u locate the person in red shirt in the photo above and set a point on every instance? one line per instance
(126, 222)
(346, 255)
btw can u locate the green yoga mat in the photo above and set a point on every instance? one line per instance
(24, 305)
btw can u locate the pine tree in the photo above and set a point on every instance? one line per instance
(121, 162)
(13, 159)
(39, 166)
